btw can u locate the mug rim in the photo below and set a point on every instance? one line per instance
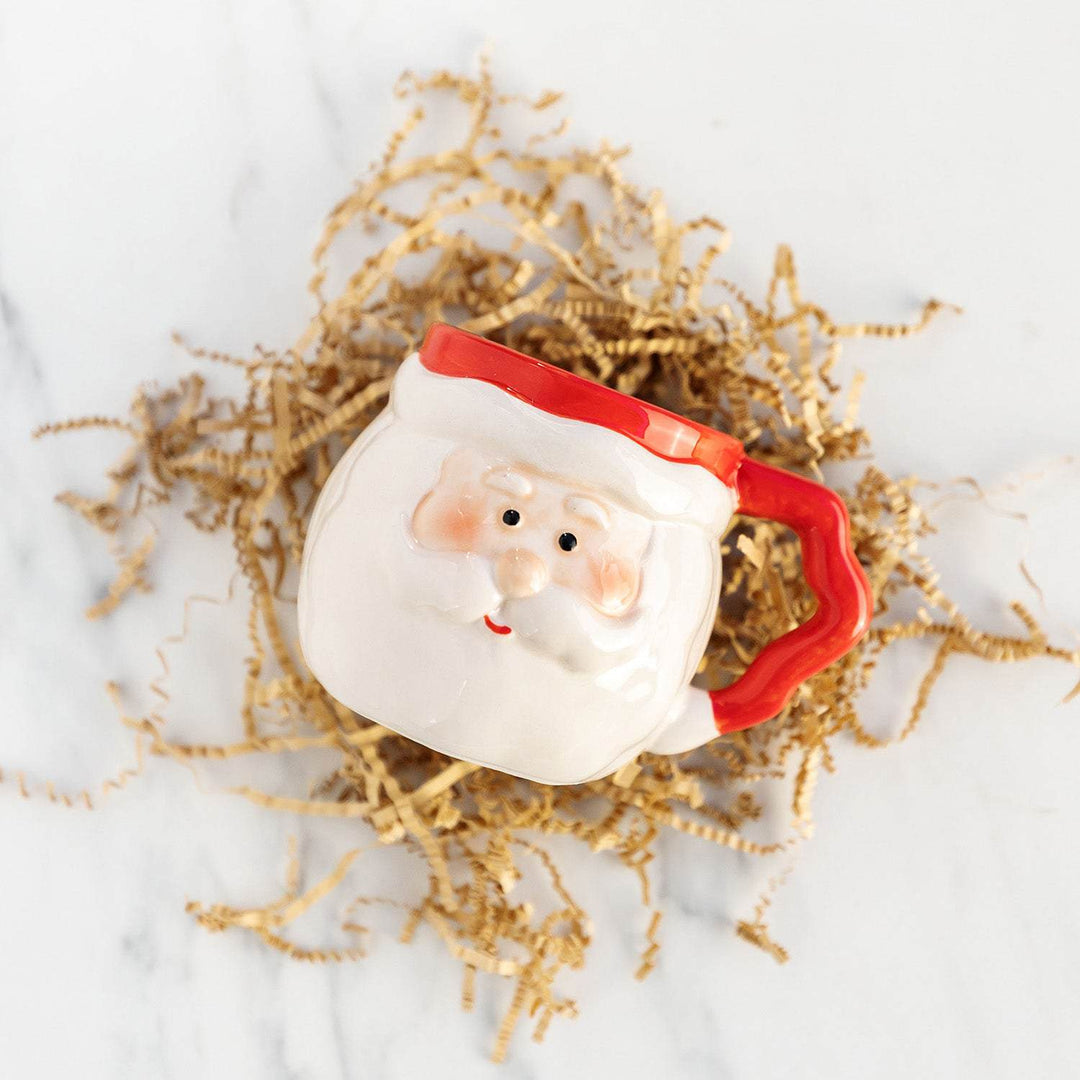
(450, 351)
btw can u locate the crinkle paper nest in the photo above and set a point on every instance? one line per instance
(546, 247)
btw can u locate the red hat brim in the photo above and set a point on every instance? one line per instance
(457, 353)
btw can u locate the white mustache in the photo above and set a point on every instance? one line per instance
(456, 585)
(554, 622)
(559, 624)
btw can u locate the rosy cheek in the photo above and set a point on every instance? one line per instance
(613, 584)
(448, 524)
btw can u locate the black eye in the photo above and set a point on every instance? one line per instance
(568, 541)
(511, 517)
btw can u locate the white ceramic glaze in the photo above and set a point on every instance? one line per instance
(412, 578)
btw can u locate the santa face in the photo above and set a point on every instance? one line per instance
(482, 601)
(566, 562)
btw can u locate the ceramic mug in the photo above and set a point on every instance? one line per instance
(519, 567)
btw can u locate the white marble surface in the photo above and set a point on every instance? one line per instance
(165, 166)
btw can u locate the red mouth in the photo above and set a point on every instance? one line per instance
(494, 627)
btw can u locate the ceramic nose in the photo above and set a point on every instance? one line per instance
(520, 573)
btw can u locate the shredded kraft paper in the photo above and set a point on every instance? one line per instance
(554, 253)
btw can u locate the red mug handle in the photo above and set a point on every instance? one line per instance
(844, 601)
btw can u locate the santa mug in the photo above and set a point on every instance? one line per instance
(521, 568)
